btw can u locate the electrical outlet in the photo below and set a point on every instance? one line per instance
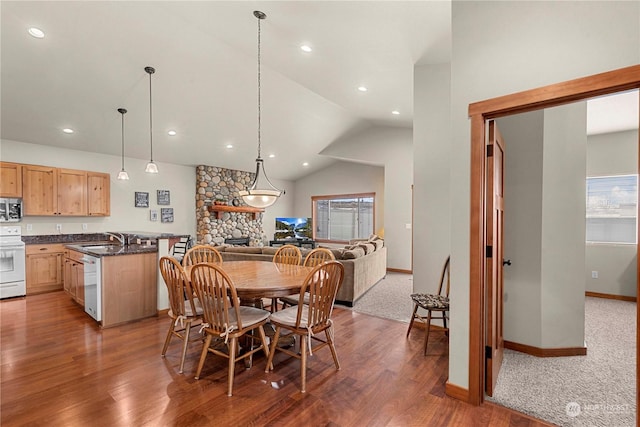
(58, 227)
(407, 226)
(594, 274)
(84, 227)
(29, 227)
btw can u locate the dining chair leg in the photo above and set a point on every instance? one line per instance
(233, 346)
(428, 329)
(184, 345)
(413, 317)
(272, 350)
(265, 347)
(332, 348)
(203, 355)
(303, 362)
(168, 339)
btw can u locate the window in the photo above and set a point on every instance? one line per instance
(344, 217)
(611, 209)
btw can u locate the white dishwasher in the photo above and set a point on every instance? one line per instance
(92, 287)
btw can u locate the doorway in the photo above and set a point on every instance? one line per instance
(548, 96)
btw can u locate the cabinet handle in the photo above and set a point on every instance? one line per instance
(43, 249)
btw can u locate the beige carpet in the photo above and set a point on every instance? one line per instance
(389, 298)
(593, 390)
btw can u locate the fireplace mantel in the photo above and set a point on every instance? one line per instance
(221, 209)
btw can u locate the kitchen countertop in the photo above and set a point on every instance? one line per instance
(109, 249)
(93, 237)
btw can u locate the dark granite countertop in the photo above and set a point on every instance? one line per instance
(93, 237)
(100, 249)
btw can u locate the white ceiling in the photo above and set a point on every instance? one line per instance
(92, 61)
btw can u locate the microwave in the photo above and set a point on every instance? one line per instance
(10, 210)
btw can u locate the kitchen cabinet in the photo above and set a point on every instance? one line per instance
(44, 267)
(74, 276)
(99, 194)
(50, 191)
(10, 179)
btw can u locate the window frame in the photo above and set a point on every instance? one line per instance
(635, 210)
(314, 212)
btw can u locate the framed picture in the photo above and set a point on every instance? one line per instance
(166, 215)
(142, 199)
(153, 214)
(164, 197)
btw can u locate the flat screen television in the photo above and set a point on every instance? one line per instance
(293, 228)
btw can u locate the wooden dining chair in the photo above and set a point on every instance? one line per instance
(184, 310)
(438, 303)
(201, 253)
(224, 320)
(307, 321)
(286, 254)
(315, 257)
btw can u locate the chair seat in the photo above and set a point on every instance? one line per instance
(294, 299)
(250, 316)
(431, 301)
(289, 315)
(187, 309)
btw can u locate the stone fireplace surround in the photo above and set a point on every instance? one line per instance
(215, 183)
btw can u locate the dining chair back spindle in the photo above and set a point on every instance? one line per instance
(201, 253)
(316, 257)
(225, 319)
(308, 320)
(184, 310)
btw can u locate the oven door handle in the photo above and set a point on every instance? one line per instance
(9, 246)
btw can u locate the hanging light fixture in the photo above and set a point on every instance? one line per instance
(261, 193)
(123, 175)
(151, 166)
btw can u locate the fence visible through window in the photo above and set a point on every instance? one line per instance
(343, 217)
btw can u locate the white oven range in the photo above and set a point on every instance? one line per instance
(12, 262)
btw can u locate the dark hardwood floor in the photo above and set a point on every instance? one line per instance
(58, 368)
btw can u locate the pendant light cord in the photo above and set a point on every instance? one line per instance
(150, 119)
(122, 140)
(259, 93)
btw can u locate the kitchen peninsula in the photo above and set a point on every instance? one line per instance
(114, 281)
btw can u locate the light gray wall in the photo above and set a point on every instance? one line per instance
(431, 159)
(612, 154)
(563, 225)
(523, 134)
(528, 45)
(179, 180)
(391, 147)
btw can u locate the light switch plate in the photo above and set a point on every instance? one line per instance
(29, 227)
(58, 227)
(84, 227)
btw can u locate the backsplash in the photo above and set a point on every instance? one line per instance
(214, 183)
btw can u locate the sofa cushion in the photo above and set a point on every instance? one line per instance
(269, 250)
(354, 253)
(368, 247)
(374, 237)
(244, 249)
(378, 243)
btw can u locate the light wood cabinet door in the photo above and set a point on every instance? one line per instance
(78, 270)
(99, 194)
(72, 192)
(39, 190)
(10, 179)
(45, 268)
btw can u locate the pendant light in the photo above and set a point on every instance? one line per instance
(123, 175)
(151, 166)
(261, 193)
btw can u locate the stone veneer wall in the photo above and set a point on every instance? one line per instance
(213, 183)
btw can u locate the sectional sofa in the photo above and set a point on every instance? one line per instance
(365, 264)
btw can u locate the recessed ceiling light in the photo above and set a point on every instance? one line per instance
(362, 88)
(271, 156)
(306, 48)
(305, 164)
(172, 133)
(36, 32)
(395, 112)
(229, 146)
(67, 130)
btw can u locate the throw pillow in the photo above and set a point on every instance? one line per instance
(357, 252)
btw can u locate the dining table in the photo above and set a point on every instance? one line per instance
(255, 280)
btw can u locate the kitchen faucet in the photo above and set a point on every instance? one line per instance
(118, 236)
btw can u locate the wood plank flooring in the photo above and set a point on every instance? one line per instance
(58, 368)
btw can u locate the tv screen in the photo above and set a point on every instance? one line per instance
(293, 228)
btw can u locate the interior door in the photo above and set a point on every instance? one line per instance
(494, 254)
